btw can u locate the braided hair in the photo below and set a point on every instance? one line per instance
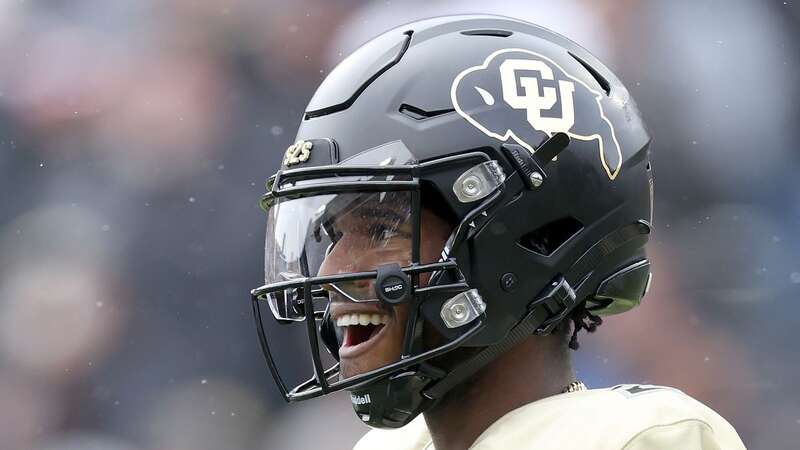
(582, 319)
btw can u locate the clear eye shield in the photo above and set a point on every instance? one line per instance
(330, 235)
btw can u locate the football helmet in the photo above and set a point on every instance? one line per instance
(531, 148)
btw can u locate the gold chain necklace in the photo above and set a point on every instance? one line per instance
(575, 386)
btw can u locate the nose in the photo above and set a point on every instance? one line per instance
(345, 257)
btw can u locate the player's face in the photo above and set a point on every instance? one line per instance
(373, 334)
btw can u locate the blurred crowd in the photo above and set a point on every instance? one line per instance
(135, 139)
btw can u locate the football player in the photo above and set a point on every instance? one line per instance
(465, 195)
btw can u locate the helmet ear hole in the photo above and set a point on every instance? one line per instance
(548, 238)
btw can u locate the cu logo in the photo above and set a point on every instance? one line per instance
(525, 96)
(534, 102)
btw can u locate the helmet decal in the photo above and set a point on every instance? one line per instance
(530, 82)
(297, 153)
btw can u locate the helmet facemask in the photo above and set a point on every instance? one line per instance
(366, 256)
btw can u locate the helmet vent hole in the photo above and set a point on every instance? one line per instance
(548, 238)
(492, 33)
(604, 84)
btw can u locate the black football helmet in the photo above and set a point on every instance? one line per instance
(521, 137)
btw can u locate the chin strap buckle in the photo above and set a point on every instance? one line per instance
(558, 301)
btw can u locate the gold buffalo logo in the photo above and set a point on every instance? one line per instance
(527, 81)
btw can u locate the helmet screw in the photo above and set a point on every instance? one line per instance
(458, 312)
(471, 186)
(508, 282)
(536, 179)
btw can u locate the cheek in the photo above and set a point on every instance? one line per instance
(401, 313)
(394, 345)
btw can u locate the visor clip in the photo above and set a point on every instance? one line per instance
(392, 285)
(558, 300)
(529, 165)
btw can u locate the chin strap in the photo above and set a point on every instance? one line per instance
(394, 401)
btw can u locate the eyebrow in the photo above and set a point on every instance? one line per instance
(382, 213)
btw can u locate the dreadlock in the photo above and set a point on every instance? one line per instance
(582, 319)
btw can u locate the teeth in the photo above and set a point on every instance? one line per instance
(362, 319)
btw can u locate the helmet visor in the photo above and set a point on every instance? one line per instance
(333, 234)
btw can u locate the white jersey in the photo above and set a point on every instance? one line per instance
(624, 417)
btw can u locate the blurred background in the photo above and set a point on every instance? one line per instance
(135, 138)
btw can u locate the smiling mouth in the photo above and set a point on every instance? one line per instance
(360, 332)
